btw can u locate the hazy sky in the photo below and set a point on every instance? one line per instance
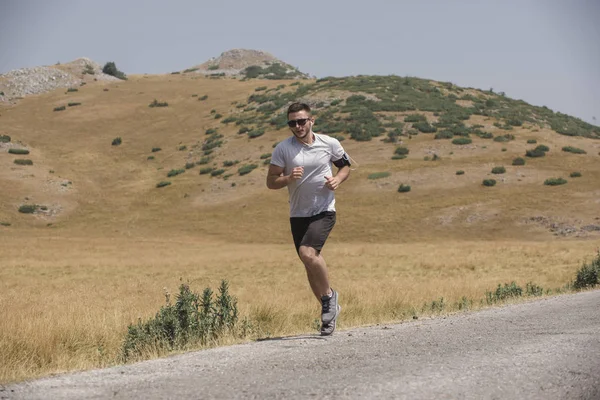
(546, 52)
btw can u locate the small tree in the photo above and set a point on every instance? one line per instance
(111, 69)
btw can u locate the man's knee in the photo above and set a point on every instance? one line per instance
(308, 254)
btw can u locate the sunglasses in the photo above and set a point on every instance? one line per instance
(300, 122)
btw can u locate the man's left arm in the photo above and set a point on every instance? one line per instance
(333, 182)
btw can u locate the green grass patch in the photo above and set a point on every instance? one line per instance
(155, 149)
(28, 208)
(157, 103)
(555, 181)
(575, 174)
(61, 108)
(246, 169)
(18, 151)
(574, 150)
(378, 175)
(462, 140)
(206, 170)
(460, 172)
(217, 172)
(163, 184)
(73, 104)
(230, 163)
(21, 161)
(175, 172)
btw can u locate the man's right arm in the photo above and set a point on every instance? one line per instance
(275, 177)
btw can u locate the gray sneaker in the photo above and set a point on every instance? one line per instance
(329, 309)
(329, 313)
(327, 329)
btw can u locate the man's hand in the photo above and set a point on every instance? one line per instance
(332, 183)
(297, 173)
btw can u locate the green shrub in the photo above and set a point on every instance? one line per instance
(189, 165)
(424, 127)
(190, 70)
(588, 275)
(193, 320)
(213, 67)
(217, 172)
(462, 140)
(504, 138)
(415, 118)
(445, 134)
(575, 150)
(256, 133)
(246, 169)
(5, 139)
(73, 104)
(504, 292)
(489, 182)
(498, 170)
(210, 131)
(555, 181)
(150, 158)
(243, 129)
(217, 116)
(69, 90)
(28, 208)
(61, 108)
(229, 163)
(20, 161)
(182, 147)
(203, 160)
(265, 155)
(403, 188)
(518, 161)
(260, 88)
(460, 172)
(378, 175)
(207, 170)
(543, 148)
(398, 157)
(531, 141)
(203, 97)
(3, 223)
(163, 184)
(228, 120)
(401, 151)
(155, 149)
(175, 172)
(110, 68)
(535, 153)
(117, 141)
(157, 103)
(18, 151)
(267, 161)
(575, 175)
(531, 289)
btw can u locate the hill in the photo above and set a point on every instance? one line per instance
(247, 63)
(215, 136)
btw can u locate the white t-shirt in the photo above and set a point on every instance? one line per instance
(309, 196)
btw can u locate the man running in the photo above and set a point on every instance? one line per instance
(302, 162)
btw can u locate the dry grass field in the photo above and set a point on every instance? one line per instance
(109, 243)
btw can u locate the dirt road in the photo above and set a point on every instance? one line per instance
(546, 349)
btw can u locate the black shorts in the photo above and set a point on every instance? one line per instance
(312, 231)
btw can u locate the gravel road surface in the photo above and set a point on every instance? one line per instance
(545, 349)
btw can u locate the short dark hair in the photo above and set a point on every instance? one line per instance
(296, 107)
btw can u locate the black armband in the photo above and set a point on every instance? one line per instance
(342, 162)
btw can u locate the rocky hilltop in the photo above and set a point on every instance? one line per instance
(27, 81)
(248, 63)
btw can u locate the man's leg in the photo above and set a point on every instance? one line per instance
(316, 270)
